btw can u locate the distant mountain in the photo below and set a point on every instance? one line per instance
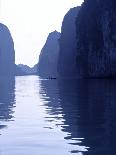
(25, 70)
(67, 55)
(7, 52)
(48, 59)
(96, 38)
(18, 71)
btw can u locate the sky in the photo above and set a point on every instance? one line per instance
(30, 22)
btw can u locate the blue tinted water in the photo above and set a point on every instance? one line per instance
(50, 117)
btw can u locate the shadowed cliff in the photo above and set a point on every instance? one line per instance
(96, 39)
(7, 53)
(48, 59)
(67, 43)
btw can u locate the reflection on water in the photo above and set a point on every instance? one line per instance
(7, 86)
(50, 117)
(90, 111)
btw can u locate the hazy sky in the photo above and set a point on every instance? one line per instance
(30, 22)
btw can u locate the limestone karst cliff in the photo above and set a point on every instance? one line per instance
(67, 43)
(7, 52)
(96, 39)
(48, 59)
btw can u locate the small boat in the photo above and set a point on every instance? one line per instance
(51, 78)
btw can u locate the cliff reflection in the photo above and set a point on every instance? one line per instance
(7, 86)
(88, 112)
(49, 90)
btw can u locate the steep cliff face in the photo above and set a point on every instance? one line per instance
(7, 53)
(48, 59)
(96, 39)
(67, 55)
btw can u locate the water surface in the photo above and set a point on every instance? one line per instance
(50, 117)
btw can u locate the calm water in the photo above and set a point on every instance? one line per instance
(50, 117)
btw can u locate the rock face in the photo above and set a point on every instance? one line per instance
(7, 53)
(67, 56)
(48, 59)
(96, 39)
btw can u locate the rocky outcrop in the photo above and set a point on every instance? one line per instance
(7, 53)
(96, 39)
(48, 59)
(67, 55)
